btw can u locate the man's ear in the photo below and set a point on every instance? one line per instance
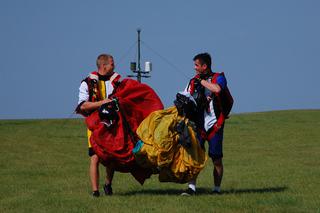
(205, 66)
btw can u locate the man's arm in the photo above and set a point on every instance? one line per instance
(84, 105)
(88, 106)
(220, 84)
(211, 86)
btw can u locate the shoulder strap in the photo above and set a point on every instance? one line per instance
(214, 80)
(93, 87)
(113, 76)
(94, 75)
(115, 81)
(215, 77)
(190, 86)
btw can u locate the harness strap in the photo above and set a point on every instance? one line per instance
(217, 126)
(127, 126)
(113, 77)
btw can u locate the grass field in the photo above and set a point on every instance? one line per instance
(271, 159)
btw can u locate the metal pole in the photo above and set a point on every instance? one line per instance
(134, 68)
(139, 67)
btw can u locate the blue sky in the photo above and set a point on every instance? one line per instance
(269, 50)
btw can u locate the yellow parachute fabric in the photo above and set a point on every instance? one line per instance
(162, 152)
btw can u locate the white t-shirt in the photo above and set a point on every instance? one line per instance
(84, 91)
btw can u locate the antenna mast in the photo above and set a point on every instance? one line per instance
(133, 65)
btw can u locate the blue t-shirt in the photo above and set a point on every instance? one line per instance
(221, 80)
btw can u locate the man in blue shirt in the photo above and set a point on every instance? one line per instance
(205, 87)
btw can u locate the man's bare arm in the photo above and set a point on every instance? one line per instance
(211, 86)
(91, 106)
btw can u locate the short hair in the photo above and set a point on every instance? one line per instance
(204, 58)
(103, 59)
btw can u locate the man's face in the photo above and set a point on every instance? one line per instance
(109, 66)
(200, 68)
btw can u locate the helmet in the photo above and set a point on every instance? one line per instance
(108, 113)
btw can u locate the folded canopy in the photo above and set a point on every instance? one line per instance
(175, 152)
(114, 144)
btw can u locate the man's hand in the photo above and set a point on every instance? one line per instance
(211, 86)
(105, 101)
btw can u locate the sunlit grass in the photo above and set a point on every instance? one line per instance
(271, 159)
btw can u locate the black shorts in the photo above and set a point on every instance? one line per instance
(91, 152)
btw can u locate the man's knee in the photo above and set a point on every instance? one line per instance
(94, 159)
(217, 162)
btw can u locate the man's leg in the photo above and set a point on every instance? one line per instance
(192, 184)
(94, 174)
(217, 174)
(191, 188)
(216, 154)
(109, 177)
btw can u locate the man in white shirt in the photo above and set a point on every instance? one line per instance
(94, 91)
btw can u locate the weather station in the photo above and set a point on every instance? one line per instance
(139, 73)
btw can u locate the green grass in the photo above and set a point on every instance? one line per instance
(271, 159)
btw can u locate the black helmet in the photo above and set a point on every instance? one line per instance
(186, 106)
(108, 113)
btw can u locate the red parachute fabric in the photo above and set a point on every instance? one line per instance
(114, 145)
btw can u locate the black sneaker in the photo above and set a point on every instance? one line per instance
(107, 189)
(188, 192)
(96, 194)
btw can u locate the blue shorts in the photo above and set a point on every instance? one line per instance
(215, 145)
